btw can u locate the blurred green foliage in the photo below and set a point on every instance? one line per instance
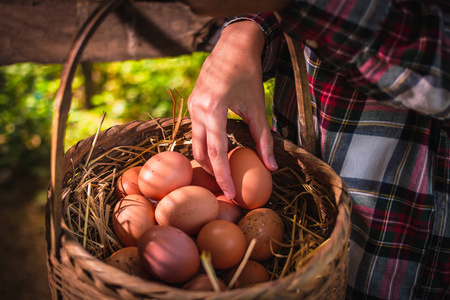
(131, 90)
(126, 91)
(26, 92)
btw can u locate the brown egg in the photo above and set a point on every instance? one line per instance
(224, 240)
(127, 259)
(252, 180)
(204, 179)
(253, 273)
(132, 215)
(187, 208)
(202, 283)
(228, 210)
(169, 254)
(163, 173)
(264, 225)
(127, 184)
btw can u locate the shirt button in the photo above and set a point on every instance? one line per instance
(311, 43)
(285, 131)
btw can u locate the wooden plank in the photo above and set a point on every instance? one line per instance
(43, 31)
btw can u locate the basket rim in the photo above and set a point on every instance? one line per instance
(61, 242)
(108, 271)
(339, 233)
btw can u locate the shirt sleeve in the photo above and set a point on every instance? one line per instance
(395, 51)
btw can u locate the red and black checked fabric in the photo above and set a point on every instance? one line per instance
(379, 76)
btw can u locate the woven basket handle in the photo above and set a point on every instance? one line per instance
(63, 100)
(305, 116)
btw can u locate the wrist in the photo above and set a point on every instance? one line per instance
(245, 34)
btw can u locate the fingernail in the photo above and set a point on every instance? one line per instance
(227, 195)
(273, 163)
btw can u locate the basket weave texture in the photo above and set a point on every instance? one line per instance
(74, 273)
(77, 274)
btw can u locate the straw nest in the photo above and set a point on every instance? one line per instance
(306, 207)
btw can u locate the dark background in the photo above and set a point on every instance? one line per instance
(41, 32)
(22, 232)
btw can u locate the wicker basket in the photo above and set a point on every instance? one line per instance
(74, 273)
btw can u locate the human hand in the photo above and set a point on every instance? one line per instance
(231, 78)
(220, 8)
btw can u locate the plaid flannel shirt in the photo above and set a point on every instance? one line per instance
(379, 74)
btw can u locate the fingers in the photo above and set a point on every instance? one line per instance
(264, 144)
(210, 142)
(210, 148)
(217, 149)
(230, 78)
(199, 144)
(260, 131)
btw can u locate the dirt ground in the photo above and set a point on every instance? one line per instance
(23, 263)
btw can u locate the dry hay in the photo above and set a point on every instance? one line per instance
(89, 196)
